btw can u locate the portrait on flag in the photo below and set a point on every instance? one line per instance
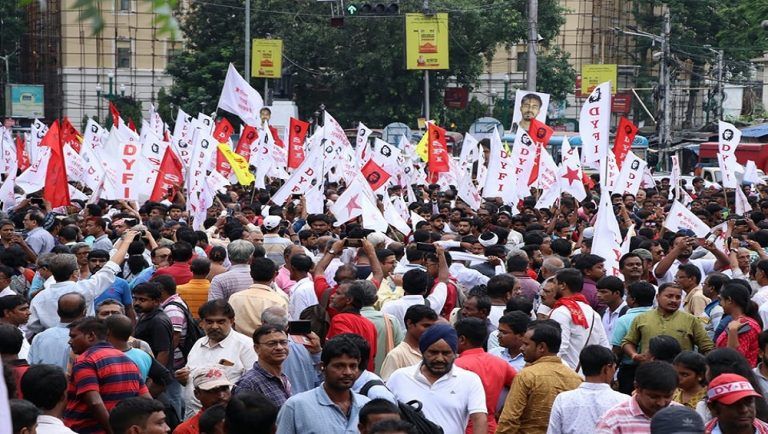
(529, 105)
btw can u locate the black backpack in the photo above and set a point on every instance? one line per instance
(409, 412)
(194, 332)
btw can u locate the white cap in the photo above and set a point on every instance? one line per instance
(272, 222)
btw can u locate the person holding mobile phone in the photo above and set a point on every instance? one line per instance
(742, 332)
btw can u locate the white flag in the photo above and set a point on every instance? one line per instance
(648, 181)
(750, 174)
(675, 178)
(74, 163)
(33, 179)
(680, 217)
(93, 171)
(94, 135)
(469, 194)
(570, 172)
(38, 130)
(607, 239)
(361, 143)
(315, 200)
(523, 161)
(742, 203)
(301, 179)
(469, 152)
(631, 176)
(500, 180)
(9, 160)
(728, 139)
(548, 181)
(594, 124)
(183, 133)
(685, 197)
(727, 171)
(7, 194)
(349, 205)
(238, 97)
(613, 172)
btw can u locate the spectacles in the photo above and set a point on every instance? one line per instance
(274, 344)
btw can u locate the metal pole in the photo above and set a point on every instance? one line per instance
(266, 91)
(665, 130)
(248, 41)
(426, 94)
(720, 84)
(533, 36)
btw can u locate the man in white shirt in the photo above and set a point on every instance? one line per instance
(610, 291)
(415, 285)
(46, 388)
(761, 276)
(580, 324)
(221, 346)
(680, 253)
(450, 396)
(303, 292)
(5, 281)
(66, 271)
(577, 411)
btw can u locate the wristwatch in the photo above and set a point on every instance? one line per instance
(332, 252)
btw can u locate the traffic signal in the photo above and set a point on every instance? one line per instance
(391, 7)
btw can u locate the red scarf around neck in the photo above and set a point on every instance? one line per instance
(577, 315)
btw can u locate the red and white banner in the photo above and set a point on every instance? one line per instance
(728, 168)
(248, 136)
(169, 176)
(500, 180)
(183, 132)
(570, 172)
(625, 135)
(69, 135)
(223, 130)
(124, 166)
(301, 179)
(296, 138)
(548, 181)
(22, 156)
(95, 135)
(375, 174)
(524, 160)
(631, 175)
(680, 217)
(540, 133)
(437, 149)
(742, 203)
(361, 142)
(728, 139)
(594, 124)
(37, 131)
(56, 190)
(238, 97)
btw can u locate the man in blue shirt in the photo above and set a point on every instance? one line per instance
(640, 297)
(51, 346)
(119, 290)
(332, 407)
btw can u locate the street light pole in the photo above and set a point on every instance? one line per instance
(248, 41)
(533, 36)
(505, 115)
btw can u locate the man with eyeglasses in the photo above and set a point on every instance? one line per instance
(267, 377)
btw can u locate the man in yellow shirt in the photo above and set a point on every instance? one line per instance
(536, 386)
(250, 303)
(195, 292)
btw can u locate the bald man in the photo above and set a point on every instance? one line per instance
(51, 346)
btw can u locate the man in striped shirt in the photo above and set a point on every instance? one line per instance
(101, 377)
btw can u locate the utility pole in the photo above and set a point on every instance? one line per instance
(426, 11)
(248, 41)
(533, 37)
(720, 84)
(665, 136)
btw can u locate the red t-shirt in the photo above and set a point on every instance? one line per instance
(189, 426)
(179, 271)
(357, 324)
(495, 374)
(450, 300)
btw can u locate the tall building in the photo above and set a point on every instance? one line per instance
(80, 69)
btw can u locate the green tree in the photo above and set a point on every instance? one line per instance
(12, 24)
(129, 108)
(358, 70)
(554, 74)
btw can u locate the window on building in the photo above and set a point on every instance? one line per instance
(123, 57)
(174, 50)
(522, 61)
(124, 5)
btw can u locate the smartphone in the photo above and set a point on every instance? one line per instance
(301, 327)
(743, 244)
(353, 242)
(425, 247)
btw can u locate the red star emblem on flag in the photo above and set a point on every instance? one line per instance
(571, 175)
(352, 204)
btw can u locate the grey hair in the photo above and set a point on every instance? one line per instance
(368, 290)
(552, 264)
(517, 252)
(77, 246)
(275, 315)
(62, 266)
(45, 259)
(240, 251)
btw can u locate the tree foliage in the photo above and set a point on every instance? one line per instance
(357, 71)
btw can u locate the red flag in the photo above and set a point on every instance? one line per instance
(69, 135)
(56, 190)
(222, 165)
(438, 150)
(115, 114)
(278, 140)
(247, 137)
(374, 174)
(625, 135)
(131, 125)
(223, 130)
(22, 156)
(168, 177)
(296, 137)
(540, 133)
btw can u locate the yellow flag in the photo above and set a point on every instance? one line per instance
(238, 163)
(422, 148)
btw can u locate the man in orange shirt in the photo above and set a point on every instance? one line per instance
(211, 387)
(195, 292)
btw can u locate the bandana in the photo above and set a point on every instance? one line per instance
(577, 315)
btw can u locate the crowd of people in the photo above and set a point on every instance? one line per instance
(118, 318)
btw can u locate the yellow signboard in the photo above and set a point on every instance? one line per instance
(593, 75)
(426, 41)
(266, 58)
